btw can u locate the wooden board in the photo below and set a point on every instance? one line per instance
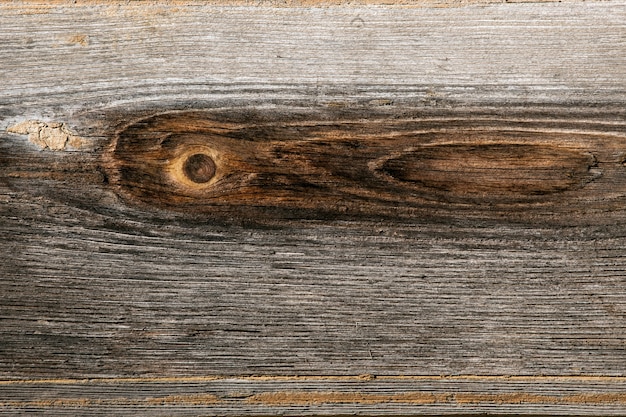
(320, 210)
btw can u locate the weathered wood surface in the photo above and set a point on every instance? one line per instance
(317, 210)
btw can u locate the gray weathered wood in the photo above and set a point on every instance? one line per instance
(112, 305)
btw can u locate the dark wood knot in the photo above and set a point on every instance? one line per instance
(199, 168)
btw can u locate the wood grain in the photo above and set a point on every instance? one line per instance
(271, 165)
(386, 396)
(216, 210)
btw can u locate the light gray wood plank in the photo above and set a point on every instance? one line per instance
(89, 57)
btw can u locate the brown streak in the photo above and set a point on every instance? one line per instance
(266, 167)
(421, 398)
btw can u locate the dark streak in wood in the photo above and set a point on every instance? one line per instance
(266, 167)
(494, 171)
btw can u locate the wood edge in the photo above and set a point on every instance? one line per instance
(503, 392)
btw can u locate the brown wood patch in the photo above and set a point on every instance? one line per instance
(271, 167)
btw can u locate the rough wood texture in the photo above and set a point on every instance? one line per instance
(318, 210)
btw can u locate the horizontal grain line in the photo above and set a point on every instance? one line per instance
(298, 378)
(284, 398)
(306, 398)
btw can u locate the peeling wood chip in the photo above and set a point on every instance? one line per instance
(52, 135)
